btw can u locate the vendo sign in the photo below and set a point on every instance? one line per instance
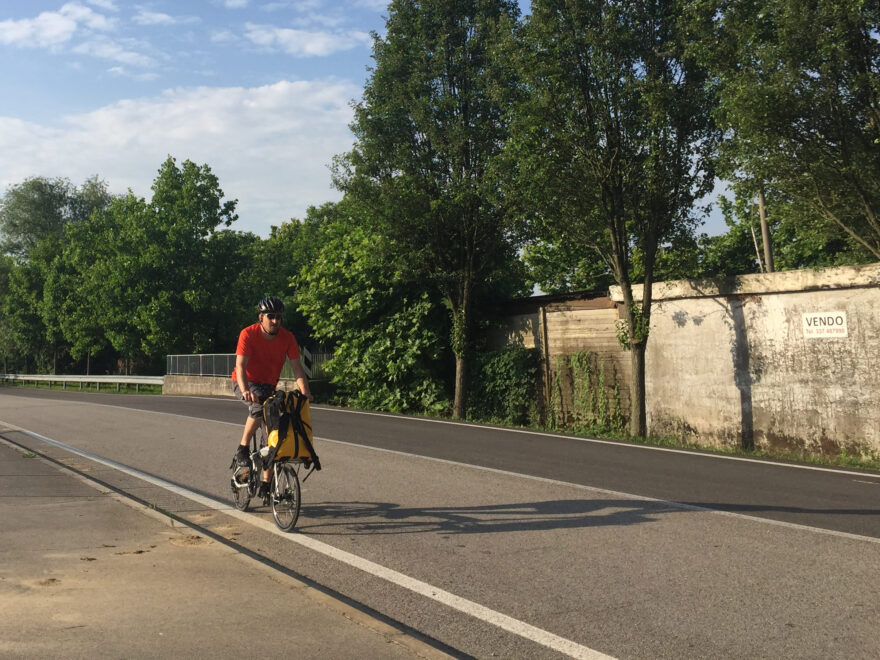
(825, 325)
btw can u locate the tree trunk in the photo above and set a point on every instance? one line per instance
(461, 336)
(638, 422)
(459, 403)
(638, 426)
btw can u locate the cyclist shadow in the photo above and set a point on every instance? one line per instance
(349, 518)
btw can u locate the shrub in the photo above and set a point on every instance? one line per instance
(503, 386)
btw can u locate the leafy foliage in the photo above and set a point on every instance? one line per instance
(290, 249)
(611, 139)
(386, 331)
(36, 217)
(135, 273)
(504, 389)
(584, 395)
(800, 99)
(426, 131)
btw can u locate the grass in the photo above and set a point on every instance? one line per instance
(844, 459)
(107, 388)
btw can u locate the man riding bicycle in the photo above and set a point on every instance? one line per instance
(259, 358)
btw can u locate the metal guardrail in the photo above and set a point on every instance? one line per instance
(137, 381)
(222, 364)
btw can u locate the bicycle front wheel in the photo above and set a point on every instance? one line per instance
(241, 496)
(286, 498)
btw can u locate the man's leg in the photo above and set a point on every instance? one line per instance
(250, 427)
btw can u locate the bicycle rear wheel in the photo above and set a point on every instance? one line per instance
(286, 497)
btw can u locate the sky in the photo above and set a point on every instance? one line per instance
(259, 90)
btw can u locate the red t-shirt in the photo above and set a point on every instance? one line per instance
(265, 358)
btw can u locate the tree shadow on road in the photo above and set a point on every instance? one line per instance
(349, 518)
(353, 518)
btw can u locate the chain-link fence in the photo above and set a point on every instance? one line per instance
(218, 364)
(222, 364)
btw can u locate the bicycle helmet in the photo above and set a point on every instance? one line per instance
(270, 305)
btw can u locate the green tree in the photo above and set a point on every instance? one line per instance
(800, 102)
(801, 239)
(426, 132)
(565, 267)
(235, 275)
(36, 217)
(7, 339)
(290, 249)
(105, 255)
(386, 331)
(612, 140)
(22, 317)
(186, 208)
(146, 269)
(32, 212)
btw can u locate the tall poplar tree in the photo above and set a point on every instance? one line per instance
(427, 129)
(612, 141)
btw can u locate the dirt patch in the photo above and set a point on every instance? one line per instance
(189, 541)
(131, 552)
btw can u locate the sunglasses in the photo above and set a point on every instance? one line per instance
(272, 317)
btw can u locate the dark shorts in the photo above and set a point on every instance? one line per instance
(261, 390)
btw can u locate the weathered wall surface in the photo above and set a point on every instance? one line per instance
(197, 385)
(734, 362)
(208, 385)
(565, 328)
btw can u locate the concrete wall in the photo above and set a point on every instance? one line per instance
(733, 361)
(208, 385)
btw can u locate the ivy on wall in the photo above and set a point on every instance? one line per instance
(584, 394)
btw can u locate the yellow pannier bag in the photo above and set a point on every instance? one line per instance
(289, 424)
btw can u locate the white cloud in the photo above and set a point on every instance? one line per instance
(375, 5)
(51, 28)
(109, 49)
(109, 5)
(223, 37)
(86, 16)
(144, 17)
(275, 6)
(270, 146)
(235, 4)
(305, 43)
(122, 72)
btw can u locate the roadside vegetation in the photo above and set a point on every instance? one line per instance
(105, 388)
(568, 149)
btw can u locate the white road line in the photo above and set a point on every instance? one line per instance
(594, 489)
(599, 441)
(541, 434)
(622, 495)
(469, 607)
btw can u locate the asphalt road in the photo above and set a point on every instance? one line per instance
(518, 544)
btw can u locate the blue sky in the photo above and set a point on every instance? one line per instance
(260, 90)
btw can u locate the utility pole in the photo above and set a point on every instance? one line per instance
(757, 251)
(765, 231)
